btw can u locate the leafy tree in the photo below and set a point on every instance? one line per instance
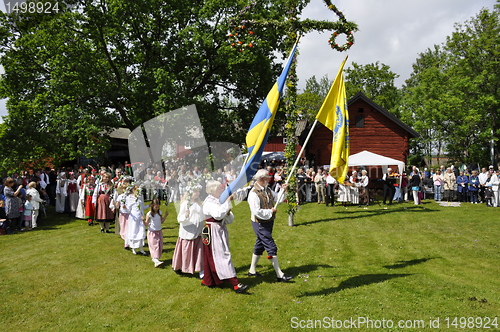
(376, 81)
(72, 76)
(452, 97)
(309, 102)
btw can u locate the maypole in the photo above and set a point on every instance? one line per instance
(241, 38)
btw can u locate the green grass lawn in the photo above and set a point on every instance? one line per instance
(406, 262)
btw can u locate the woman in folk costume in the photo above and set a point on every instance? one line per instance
(86, 195)
(188, 253)
(102, 200)
(123, 213)
(80, 181)
(61, 192)
(136, 230)
(73, 196)
(345, 191)
(364, 195)
(217, 262)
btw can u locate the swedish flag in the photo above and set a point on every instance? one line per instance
(335, 116)
(260, 128)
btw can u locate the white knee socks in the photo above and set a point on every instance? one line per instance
(253, 266)
(276, 266)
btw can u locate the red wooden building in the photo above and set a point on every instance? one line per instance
(371, 128)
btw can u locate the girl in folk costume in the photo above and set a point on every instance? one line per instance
(188, 253)
(102, 201)
(136, 232)
(154, 220)
(217, 263)
(119, 200)
(86, 195)
(61, 192)
(73, 196)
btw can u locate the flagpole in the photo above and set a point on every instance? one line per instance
(297, 160)
(301, 150)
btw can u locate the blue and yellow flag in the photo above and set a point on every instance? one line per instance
(335, 116)
(260, 128)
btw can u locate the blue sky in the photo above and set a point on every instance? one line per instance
(392, 32)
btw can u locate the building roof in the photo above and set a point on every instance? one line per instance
(361, 95)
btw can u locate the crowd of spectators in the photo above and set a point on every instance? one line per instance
(62, 188)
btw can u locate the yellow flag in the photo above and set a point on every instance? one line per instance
(335, 116)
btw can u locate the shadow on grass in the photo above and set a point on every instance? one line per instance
(269, 275)
(403, 264)
(342, 214)
(355, 282)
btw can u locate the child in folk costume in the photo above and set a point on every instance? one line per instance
(136, 232)
(119, 199)
(188, 253)
(86, 195)
(102, 200)
(154, 220)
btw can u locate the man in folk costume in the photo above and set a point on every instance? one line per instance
(262, 200)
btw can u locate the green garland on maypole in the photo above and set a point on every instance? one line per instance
(292, 114)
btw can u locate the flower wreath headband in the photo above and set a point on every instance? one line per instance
(242, 34)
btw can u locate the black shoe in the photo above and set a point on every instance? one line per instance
(256, 274)
(102, 230)
(108, 231)
(285, 278)
(241, 288)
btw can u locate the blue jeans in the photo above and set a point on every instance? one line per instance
(473, 196)
(437, 192)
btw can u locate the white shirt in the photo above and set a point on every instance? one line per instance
(35, 198)
(213, 209)
(330, 179)
(154, 221)
(44, 177)
(364, 181)
(494, 182)
(61, 189)
(191, 227)
(254, 203)
(483, 177)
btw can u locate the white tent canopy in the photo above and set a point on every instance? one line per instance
(367, 158)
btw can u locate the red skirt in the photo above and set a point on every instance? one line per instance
(103, 210)
(89, 208)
